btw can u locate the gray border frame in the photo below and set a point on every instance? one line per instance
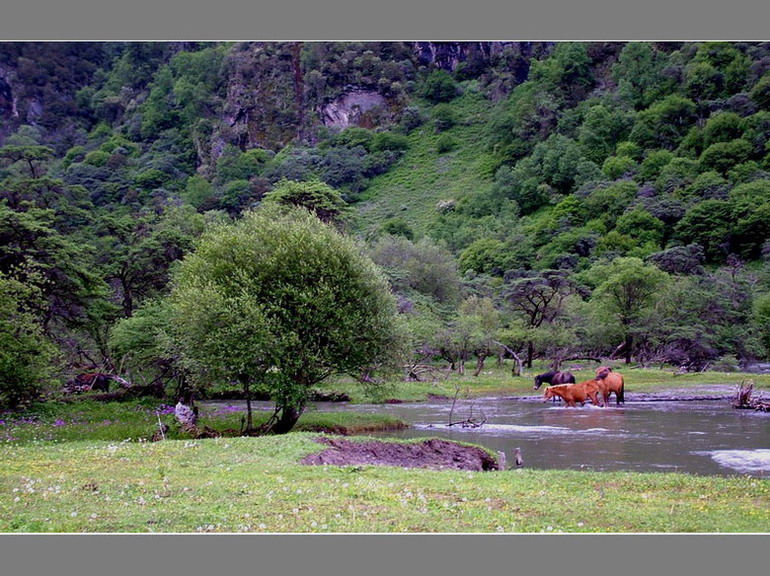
(373, 555)
(391, 20)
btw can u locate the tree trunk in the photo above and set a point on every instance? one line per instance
(517, 360)
(480, 364)
(287, 420)
(629, 340)
(461, 364)
(530, 353)
(249, 421)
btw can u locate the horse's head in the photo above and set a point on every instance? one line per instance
(538, 382)
(548, 394)
(603, 371)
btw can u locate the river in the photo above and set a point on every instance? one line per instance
(707, 437)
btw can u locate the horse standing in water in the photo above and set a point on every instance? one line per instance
(574, 393)
(610, 382)
(554, 378)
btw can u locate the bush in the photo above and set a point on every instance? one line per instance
(96, 158)
(444, 117)
(398, 227)
(616, 167)
(411, 118)
(439, 87)
(26, 355)
(389, 141)
(445, 144)
(722, 156)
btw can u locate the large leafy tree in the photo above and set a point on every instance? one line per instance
(26, 354)
(708, 223)
(282, 300)
(639, 74)
(136, 250)
(422, 267)
(627, 292)
(539, 300)
(321, 199)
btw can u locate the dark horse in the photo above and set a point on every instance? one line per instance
(95, 381)
(554, 378)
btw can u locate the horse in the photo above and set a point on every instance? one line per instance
(95, 381)
(610, 382)
(573, 393)
(553, 378)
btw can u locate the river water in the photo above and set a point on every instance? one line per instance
(707, 437)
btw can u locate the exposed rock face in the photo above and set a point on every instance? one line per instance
(7, 106)
(350, 108)
(270, 90)
(449, 55)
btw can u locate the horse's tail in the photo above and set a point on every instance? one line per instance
(621, 395)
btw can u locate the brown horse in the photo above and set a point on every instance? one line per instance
(610, 382)
(573, 393)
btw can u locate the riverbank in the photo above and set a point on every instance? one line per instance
(91, 467)
(261, 485)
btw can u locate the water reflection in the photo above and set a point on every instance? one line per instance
(701, 437)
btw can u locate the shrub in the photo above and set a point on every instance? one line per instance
(439, 87)
(383, 141)
(445, 144)
(444, 117)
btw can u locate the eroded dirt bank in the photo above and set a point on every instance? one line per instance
(433, 453)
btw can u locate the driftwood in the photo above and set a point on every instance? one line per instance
(743, 399)
(471, 421)
(423, 372)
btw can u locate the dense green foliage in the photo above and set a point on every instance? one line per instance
(280, 300)
(556, 199)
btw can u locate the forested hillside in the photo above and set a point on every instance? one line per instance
(551, 200)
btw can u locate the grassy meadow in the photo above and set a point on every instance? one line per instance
(88, 466)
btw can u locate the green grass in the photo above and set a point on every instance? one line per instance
(258, 485)
(87, 466)
(54, 422)
(423, 176)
